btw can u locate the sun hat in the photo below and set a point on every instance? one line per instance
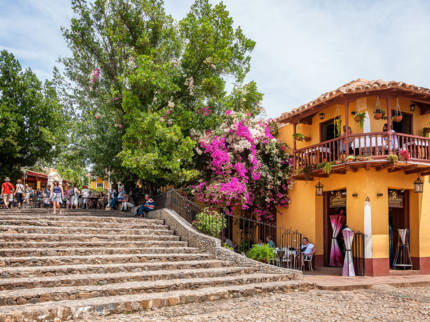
(7, 179)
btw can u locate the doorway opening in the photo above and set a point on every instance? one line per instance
(398, 218)
(334, 204)
(405, 126)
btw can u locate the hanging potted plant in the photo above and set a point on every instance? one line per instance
(359, 119)
(298, 136)
(398, 117)
(404, 156)
(307, 171)
(337, 127)
(378, 114)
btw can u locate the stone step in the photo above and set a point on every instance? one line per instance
(41, 252)
(106, 214)
(81, 230)
(25, 238)
(94, 244)
(99, 259)
(40, 295)
(85, 217)
(104, 279)
(49, 271)
(102, 306)
(48, 223)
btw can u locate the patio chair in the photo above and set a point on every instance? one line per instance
(308, 259)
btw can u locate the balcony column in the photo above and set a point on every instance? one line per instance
(389, 124)
(294, 146)
(346, 133)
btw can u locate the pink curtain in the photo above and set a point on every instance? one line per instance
(348, 268)
(336, 258)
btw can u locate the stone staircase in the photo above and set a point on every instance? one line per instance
(95, 263)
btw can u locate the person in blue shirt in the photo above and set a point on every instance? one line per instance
(270, 242)
(114, 201)
(47, 191)
(147, 207)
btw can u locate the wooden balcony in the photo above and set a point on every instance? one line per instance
(369, 150)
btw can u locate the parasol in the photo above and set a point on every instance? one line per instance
(337, 222)
(348, 265)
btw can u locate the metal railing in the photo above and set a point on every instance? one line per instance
(238, 231)
(358, 254)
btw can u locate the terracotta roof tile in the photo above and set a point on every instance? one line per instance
(356, 86)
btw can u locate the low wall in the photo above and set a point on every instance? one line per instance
(213, 246)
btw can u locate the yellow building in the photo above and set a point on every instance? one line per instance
(376, 195)
(99, 183)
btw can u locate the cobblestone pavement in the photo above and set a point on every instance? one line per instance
(381, 303)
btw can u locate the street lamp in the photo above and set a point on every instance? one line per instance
(319, 189)
(418, 185)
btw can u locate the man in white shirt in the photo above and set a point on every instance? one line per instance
(85, 192)
(307, 248)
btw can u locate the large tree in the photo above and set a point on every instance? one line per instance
(31, 119)
(141, 81)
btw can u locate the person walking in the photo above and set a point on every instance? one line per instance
(74, 197)
(6, 191)
(57, 195)
(19, 192)
(68, 201)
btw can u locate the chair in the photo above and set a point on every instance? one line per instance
(308, 259)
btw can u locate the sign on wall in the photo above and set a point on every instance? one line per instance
(395, 200)
(338, 200)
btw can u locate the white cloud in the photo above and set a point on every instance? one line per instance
(304, 48)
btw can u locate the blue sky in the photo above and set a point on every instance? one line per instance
(304, 48)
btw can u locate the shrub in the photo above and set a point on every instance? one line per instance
(210, 222)
(228, 247)
(261, 253)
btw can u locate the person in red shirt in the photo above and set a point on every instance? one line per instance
(6, 190)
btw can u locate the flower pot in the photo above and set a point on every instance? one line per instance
(357, 119)
(377, 116)
(398, 118)
(350, 160)
(299, 139)
(363, 159)
(402, 158)
(307, 138)
(338, 162)
(428, 130)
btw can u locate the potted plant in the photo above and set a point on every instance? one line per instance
(337, 162)
(307, 138)
(425, 131)
(398, 113)
(261, 253)
(327, 167)
(398, 118)
(405, 156)
(359, 118)
(320, 165)
(378, 114)
(337, 127)
(349, 158)
(392, 158)
(307, 171)
(298, 136)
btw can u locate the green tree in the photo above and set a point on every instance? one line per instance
(142, 81)
(31, 119)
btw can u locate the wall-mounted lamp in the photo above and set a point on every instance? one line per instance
(322, 116)
(355, 195)
(319, 189)
(380, 194)
(418, 185)
(353, 113)
(412, 107)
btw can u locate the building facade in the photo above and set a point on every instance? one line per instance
(361, 177)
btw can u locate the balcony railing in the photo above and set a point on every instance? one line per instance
(374, 145)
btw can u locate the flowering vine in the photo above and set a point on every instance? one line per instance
(245, 167)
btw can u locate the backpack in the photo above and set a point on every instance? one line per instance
(72, 192)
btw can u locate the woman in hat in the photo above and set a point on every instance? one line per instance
(57, 195)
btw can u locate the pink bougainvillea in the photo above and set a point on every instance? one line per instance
(245, 166)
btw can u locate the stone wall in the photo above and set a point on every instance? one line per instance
(213, 246)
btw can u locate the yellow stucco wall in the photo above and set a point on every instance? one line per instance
(305, 212)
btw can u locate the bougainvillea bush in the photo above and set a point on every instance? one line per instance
(243, 167)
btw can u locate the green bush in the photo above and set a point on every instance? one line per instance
(261, 253)
(210, 222)
(228, 247)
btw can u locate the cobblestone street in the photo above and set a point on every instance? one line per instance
(381, 303)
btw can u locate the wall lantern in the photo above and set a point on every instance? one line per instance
(412, 107)
(319, 189)
(322, 116)
(355, 195)
(380, 194)
(418, 185)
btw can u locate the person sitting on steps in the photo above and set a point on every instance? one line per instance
(126, 204)
(147, 207)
